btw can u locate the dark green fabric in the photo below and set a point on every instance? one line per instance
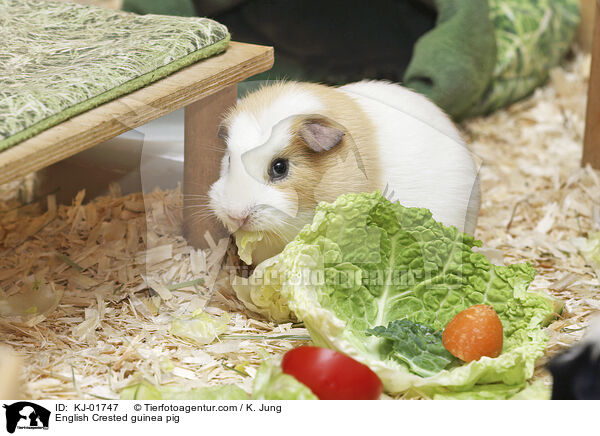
(453, 63)
(451, 52)
(451, 58)
(330, 41)
(470, 57)
(336, 41)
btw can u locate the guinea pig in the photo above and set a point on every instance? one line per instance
(576, 371)
(291, 145)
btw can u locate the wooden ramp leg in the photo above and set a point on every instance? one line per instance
(591, 141)
(202, 160)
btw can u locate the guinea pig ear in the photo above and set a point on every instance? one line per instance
(320, 133)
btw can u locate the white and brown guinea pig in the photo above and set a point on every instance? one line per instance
(291, 145)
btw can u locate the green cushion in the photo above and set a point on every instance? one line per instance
(60, 59)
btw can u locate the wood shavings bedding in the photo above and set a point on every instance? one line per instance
(125, 275)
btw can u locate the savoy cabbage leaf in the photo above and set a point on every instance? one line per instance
(246, 243)
(365, 262)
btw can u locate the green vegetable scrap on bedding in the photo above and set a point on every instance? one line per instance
(147, 391)
(590, 249)
(365, 264)
(270, 383)
(60, 59)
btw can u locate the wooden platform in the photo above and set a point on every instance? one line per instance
(180, 89)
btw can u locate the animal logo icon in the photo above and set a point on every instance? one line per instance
(26, 415)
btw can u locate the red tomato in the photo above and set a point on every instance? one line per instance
(332, 375)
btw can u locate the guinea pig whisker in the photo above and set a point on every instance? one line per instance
(279, 234)
(200, 201)
(270, 237)
(195, 203)
(199, 206)
(200, 215)
(198, 218)
(288, 221)
(196, 206)
(203, 213)
(214, 147)
(196, 198)
(199, 184)
(196, 195)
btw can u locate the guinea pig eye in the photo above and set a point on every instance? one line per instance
(279, 169)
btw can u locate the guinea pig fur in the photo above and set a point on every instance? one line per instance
(291, 145)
